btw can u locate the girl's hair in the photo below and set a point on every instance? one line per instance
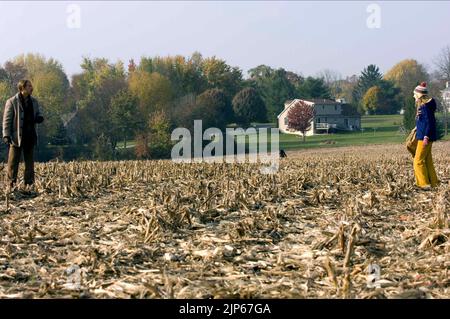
(22, 84)
(422, 100)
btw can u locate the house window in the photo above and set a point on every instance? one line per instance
(335, 107)
(286, 120)
(325, 120)
(346, 122)
(318, 120)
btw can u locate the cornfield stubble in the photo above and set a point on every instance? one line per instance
(157, 229)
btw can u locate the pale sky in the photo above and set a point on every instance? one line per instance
(304, 37)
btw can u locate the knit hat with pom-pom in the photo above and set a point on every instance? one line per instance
(421, 88)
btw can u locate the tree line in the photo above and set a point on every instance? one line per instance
(108, 103)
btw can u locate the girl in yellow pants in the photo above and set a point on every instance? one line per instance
(423, 166)
(426, 135)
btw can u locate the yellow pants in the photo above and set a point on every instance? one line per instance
(423, 166)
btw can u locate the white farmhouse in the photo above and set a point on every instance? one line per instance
(328, 115)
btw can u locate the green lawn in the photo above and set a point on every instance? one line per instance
(130, 144)
(377, 129)
(288, 141)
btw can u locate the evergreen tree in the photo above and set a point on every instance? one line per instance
(409, 117)
(313, 88)
(276, 89)
(370, 77)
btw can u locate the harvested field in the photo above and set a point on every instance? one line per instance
(157, 229)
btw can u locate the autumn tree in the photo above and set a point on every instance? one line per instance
(52, 89)
(153, 90)
(141, 149)
(406, 75)
(96, 86)
(382, 99)
(372, 99)
(125, 117)
(184, 73)
(300, 117)
(220, 75)
(159, 135)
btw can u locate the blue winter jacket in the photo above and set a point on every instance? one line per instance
(426, 121)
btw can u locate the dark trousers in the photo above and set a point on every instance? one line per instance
(13, 163)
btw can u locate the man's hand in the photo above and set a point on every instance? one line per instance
(7, 140)
(39, 119)
(425, 141)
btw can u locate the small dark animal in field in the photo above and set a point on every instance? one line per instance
(282, 153)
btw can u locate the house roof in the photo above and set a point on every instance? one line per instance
(322, 101)
(287, 105)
